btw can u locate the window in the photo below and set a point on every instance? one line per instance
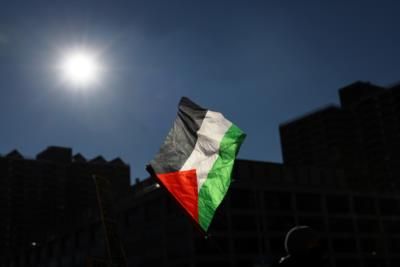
(153, 262)
(368, 226)
(337, 204)
(219, 263)
(50, 249)
(395, 262)
(178, 250)
(278, 201)
(211, 246)
(364, 205)
(341, 225)
(280, 223)
(347, 263)
(371, 245)
(244, 223)
(316, 223)
(375, 262)
(242, 199)
(344, 245)
(394, 245)
(63, 245)
(246, 245)
(391, 226)
(308, 202)
(389, 206)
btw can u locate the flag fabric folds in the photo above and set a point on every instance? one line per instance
(196, 160)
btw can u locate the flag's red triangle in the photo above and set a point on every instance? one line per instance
(183, 186)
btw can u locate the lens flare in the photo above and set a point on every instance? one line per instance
(80, 68)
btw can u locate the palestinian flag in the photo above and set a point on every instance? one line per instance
(196, 160)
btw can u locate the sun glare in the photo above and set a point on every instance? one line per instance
(80, 68)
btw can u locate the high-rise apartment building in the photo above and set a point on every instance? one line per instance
(361, 136)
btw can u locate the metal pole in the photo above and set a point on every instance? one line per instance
(103, 221)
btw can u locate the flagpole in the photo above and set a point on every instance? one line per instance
(108, 247)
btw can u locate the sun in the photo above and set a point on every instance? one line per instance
(80, 68)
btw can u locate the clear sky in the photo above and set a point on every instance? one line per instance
(259, 62)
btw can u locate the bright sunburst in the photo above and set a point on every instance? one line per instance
(80, 68)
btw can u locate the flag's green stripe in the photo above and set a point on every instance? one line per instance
(219, 178)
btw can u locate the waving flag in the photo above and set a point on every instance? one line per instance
(196, 160)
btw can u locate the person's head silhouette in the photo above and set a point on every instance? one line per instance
(303, 247)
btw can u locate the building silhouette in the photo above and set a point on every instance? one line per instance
(264, 202)
(361, 136)
(338, 176)
(43, 196)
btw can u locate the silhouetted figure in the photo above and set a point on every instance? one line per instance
(303, 248)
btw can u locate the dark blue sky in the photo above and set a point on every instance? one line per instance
(259, 62)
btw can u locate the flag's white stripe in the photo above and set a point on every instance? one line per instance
(205, 152)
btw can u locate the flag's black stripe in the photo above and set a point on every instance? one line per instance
(181, 139)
